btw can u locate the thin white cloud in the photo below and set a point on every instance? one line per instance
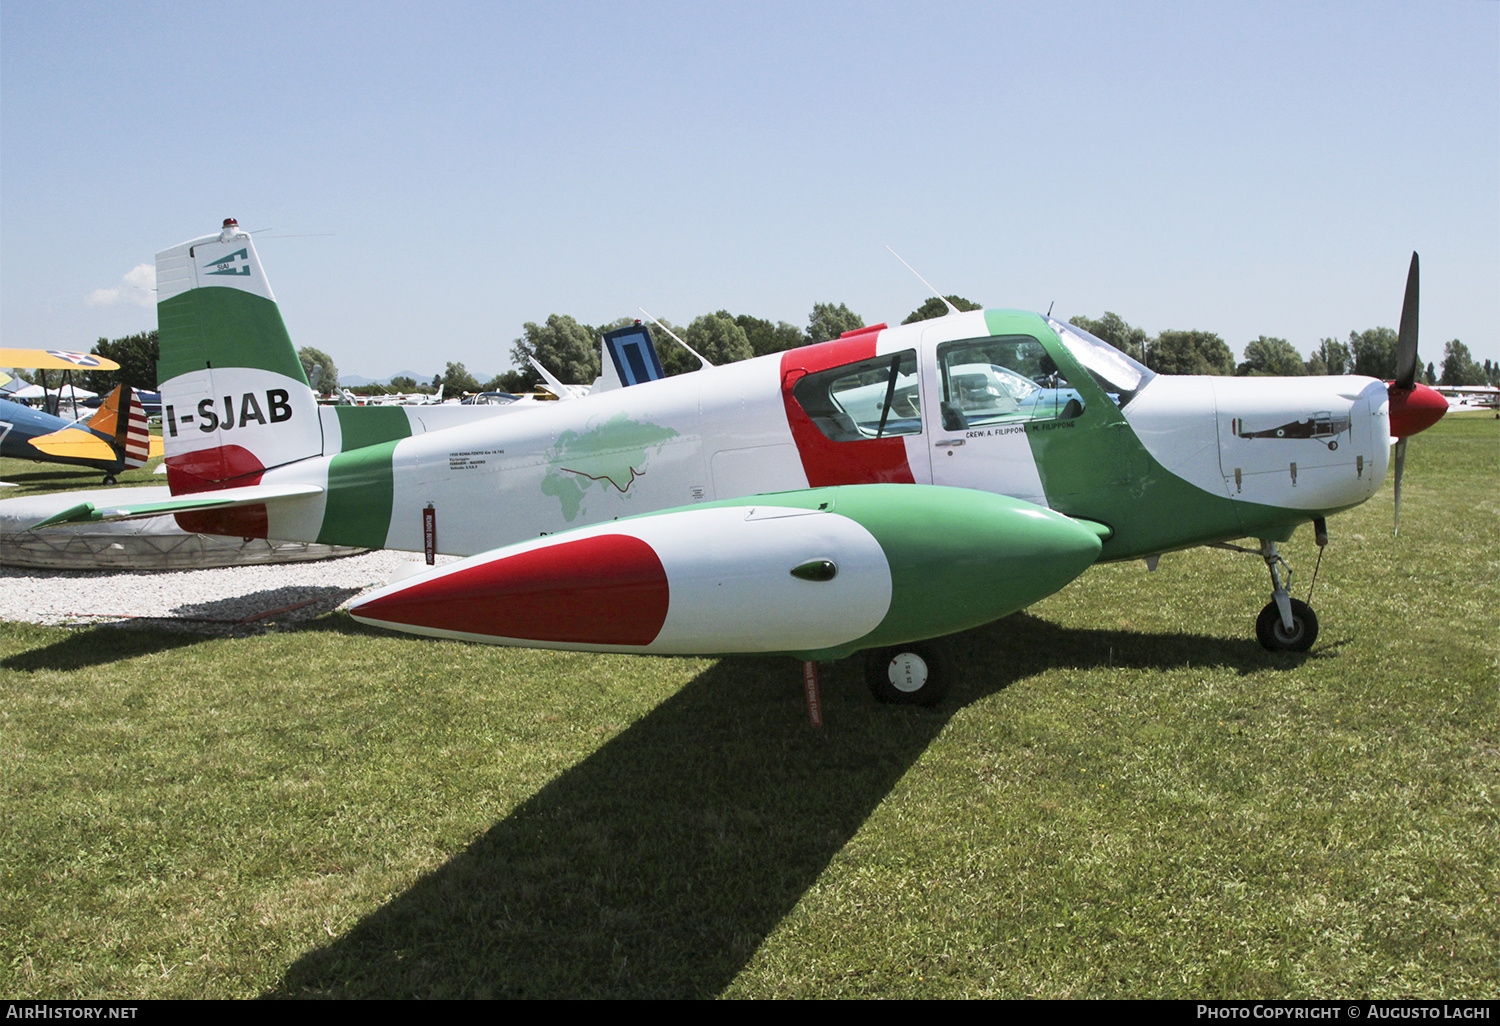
(137, 288)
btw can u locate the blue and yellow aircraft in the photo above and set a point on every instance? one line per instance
(114, 439)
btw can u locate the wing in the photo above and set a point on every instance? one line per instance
(54, 359)
(817, 574)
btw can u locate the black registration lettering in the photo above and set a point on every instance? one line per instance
(280, 404)
(250, 409)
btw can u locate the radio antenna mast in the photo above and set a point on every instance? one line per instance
(701, 359)
(924, 281)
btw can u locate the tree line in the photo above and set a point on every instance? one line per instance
(570, 351)
(1371, 353)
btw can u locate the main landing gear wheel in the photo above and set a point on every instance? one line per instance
(1274, 635)
(908, 674)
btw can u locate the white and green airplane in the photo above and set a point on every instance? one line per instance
(870, 492)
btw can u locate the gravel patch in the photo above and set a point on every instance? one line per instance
(223, 600)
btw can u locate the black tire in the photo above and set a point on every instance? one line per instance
(1273, 635)
(908, 674)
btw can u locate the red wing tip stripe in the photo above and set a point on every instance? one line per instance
(604, 590)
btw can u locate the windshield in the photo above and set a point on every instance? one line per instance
(1116, 373)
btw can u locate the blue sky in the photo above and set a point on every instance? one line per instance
(430, 178)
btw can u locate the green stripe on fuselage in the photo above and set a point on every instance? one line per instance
(361, 494)
(223, 328)
(370, 425)
(1094, 466)
(361, 482)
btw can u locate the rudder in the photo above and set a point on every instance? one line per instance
(235, 400)
(135, 441)
(122, 419)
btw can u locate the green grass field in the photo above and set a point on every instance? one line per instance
(1125, 796)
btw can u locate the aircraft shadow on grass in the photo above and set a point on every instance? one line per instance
(658, 865)
(98, 646)
(261, 606)
(189, 624)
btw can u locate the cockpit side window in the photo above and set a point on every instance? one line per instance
(1004, 379)
(875, 398)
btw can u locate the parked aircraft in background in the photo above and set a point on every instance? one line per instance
(858, 494)
(406, 398)
(58, 360)
(114, 439)
(1464, 398)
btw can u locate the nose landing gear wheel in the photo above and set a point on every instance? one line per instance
(908, 674)
(1273, 634)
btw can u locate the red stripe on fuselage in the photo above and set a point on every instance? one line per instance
(209, 470)
(606, 590)
(826, 462)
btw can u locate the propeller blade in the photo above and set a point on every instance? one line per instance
(1406, 342)
(1400, 466)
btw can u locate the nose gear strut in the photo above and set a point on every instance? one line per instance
(1286, 624)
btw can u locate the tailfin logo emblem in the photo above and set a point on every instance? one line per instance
(237, 262)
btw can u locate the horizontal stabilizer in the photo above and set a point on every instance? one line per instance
(228, 498)
(75, 443)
